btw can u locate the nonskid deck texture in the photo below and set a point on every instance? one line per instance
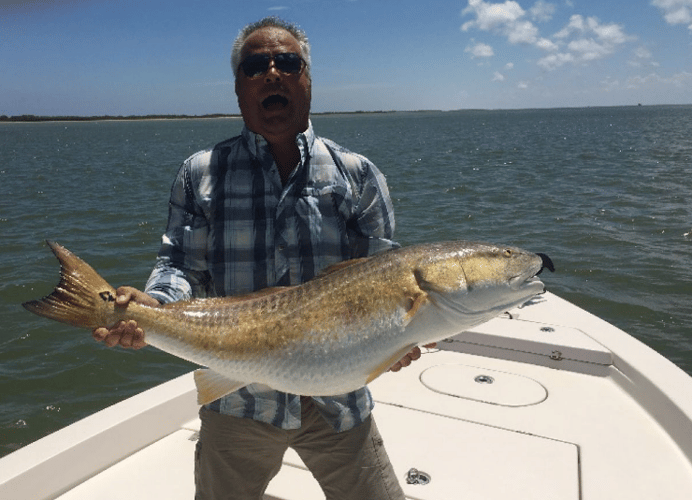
(551, 404)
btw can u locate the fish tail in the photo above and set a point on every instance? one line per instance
(82, 298)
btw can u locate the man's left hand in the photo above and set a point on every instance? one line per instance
(410, 358)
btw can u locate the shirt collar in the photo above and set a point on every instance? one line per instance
(258, 145)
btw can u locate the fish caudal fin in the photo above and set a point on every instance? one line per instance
(212, 386)
(82, 298)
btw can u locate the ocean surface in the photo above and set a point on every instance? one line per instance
(606, 192)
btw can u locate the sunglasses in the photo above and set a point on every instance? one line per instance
(255, 65)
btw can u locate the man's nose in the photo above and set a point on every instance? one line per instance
(272, 74)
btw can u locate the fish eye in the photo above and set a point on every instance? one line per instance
(507, 252)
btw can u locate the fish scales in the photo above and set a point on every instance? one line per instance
(327, 308)
(329, 335)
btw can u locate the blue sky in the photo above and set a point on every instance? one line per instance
(121, 57)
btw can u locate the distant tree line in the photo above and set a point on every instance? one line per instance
(37, 118)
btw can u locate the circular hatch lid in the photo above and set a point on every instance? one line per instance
(483, 385)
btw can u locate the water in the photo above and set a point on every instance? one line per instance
(606, 192)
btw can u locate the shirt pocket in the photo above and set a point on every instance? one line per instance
(195, 238)
(322, 212)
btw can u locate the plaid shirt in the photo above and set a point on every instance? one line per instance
(234, 228)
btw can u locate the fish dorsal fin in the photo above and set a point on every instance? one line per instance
(341, 265)
(230, 299)
(212, 385)
(261, 293)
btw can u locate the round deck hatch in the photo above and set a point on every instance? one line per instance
(483, 385)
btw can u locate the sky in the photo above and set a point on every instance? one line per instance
(139, 57)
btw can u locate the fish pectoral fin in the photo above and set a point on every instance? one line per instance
(415, 303)
(389, 362)
(212, 385)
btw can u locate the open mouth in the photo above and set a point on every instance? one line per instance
(530, 277)
(275, 102)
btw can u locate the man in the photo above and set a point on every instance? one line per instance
(271, 207)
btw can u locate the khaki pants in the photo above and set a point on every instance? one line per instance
(236, 457)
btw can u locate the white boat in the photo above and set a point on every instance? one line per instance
(547, 402)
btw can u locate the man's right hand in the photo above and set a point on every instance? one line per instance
(126, 333)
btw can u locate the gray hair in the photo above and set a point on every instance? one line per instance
(270, 22)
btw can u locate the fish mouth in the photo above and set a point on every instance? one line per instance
(523, 281)
(530, 278)
(274, 102)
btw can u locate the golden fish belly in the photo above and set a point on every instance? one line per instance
(320, 362)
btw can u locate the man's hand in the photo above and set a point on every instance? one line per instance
(126, 333)
(410, 357)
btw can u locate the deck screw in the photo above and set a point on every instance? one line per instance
(415, 476)
(484, 379)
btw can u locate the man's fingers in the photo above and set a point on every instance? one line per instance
(99, 334)
(112, 340)
(414, 355)
(126, 339)
(138, 342)
(125, 333)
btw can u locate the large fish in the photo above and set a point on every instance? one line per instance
(328, 336)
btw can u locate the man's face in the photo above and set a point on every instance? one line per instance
(275, 105)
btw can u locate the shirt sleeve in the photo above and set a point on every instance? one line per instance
(372, 226)
(181, 270)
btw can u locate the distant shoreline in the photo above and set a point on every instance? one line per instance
(38, 118)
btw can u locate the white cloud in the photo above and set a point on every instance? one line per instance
(480, 50)
(643, 53)
(609, 84)
(642, 57)
(542, 12)
(676, 80)
(523, 85)
(608, 33)
(575, 24)
(546, 45)
(554, 61)
(591, 40)
(580, 41)
(588, 49)
(504, 18)
(675, 11)
(500, 77)
(522, 32)
(492, 16)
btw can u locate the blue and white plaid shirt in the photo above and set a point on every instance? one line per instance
(234, 228)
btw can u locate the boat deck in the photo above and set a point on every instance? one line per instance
(548, 402)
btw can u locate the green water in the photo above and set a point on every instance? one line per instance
(606, 192)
